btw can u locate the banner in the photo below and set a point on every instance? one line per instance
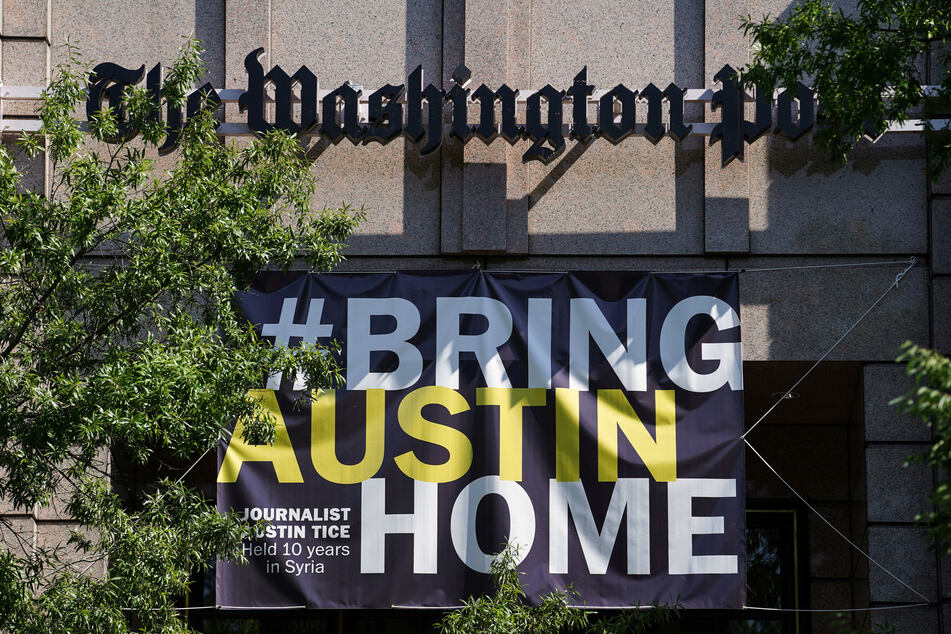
(592, 420)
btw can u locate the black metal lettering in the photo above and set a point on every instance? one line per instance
(807, 115)
(763, 117)
(580, 90)
(351, 128)
(550, 132)
(204, 97)
(729, 100)
(654, 130)
(391, 112)
(675, 126)
(434, 98)
(414, 130)
(459, 97)
(510, 130)
(486, 130)
(253, 98)
(415, 95)
(607, 128)
(107, 82)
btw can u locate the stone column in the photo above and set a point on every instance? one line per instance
(726, 208)
(896, 495)
(484, 197)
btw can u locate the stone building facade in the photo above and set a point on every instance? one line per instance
(631, 206)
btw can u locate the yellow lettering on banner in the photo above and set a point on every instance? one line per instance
(279, 453)
(412, 421)
(510, 402)
(567, 429)
(323, 448)
(660, 455)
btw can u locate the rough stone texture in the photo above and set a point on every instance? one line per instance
(485, 36)
(32, 170)
(726, 188)
(484, 222)
(896, 493)
(18, 534)
(884, 422)
(799, 314)
(943, 185)
(450, 236)
(24, 63)
(595, 263)
(54, 536)
(516, 210)
(484, 168)
(127, 32)
(628, 199)
(941, 235)
(400, 189)
(800, 203)
(908, 553)
(519, 48)
(389, 264)
(726, 220)
(210, 30)
(56, 509)
(26, 18)
(394, 37)
(246, 29)
(6, 507)
(618, 41)
(453, 54)
(941, 313)
(633, 198)
(908, 620)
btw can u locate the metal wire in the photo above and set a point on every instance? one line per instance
(830, 525)
(875, 304)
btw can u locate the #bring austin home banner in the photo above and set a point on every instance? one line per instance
(590, 419)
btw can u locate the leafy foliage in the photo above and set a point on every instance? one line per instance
(118, 334)
(930, 401)
(506, 611)
(854, 61)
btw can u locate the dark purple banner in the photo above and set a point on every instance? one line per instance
(591, 420)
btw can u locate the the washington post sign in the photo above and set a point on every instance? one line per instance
(590, 419)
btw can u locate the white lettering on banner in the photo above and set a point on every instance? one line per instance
(376, 524)
(462, 523)
(628, 362)
(450, 342)
(586, 323)
(361, 342)
(285, 328)
(674, 358)
(683, 525)
(631, 495)
(539, 342)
